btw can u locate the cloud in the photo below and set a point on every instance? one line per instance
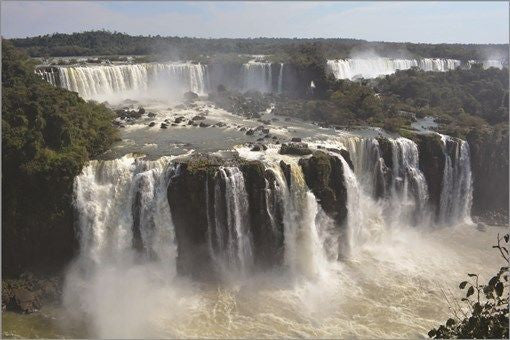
(380, 21)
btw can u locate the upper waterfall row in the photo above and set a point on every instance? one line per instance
(102, 82)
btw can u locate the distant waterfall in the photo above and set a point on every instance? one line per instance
(257, 76)
(490, 63)
(51, 75)
(104, 81)
(280, 79)
(456, 194)
(375, 67)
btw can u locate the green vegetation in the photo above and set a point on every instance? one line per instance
(115, 43)
(47, 136)
(461, 99)
(486, 311)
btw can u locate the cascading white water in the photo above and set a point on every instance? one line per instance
(368, 163)
(117, 198)
(456, 193)
(150, 79)
(50, 75)
(280, 79)
(438, 65)
(408, 185)
(257, 76)
(375, 67)
(236, 255)
(304, 251)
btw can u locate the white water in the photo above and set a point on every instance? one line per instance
(408, 185)
(105, 198)
(257, 76)
(236, 256)
(457, 191)
(304, 253)
(280, 79)
(116, 82)
(116, 290)
(376, 67)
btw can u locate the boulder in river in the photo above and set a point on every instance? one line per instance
(297, 149)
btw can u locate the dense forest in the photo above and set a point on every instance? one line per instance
(115, 43)
(48, 134)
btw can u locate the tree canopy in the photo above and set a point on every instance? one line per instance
(48, 134)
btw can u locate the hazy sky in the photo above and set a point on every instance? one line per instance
(462, 22)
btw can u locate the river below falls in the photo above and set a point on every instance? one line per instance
(392, 286)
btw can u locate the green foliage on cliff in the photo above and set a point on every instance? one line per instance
(459, 95)
(47, 135)
(460, 100)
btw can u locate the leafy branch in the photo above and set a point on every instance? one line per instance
(488, 307)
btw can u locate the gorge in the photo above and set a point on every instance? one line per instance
(200, 221)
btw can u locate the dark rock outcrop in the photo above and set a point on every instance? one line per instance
(432, 162)
(386, 151)
(296, 149)
(267, 234)
(28, 293)
(286, 172)
(489, 165)
(345, 155)
(324, 176)
(187, 196)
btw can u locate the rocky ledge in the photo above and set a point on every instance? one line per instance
(28, 293)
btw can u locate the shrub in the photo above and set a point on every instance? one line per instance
(486, 315)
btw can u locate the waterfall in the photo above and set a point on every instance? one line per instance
(233, 244)
(280, 79)
(408, 187)
(257, 76)
(489, 63)
(104, 81)
(122, 204)
(48, 74)
(456, 193)
(375, 67)
(304, 252)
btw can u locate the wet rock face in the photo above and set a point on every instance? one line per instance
(196, 206)
(267, 234)
(345, 154)
(27, 294)
(489, 165)
(383, 174)
(386, 151)
(187, 196)
(432, 162)
(324, 176)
